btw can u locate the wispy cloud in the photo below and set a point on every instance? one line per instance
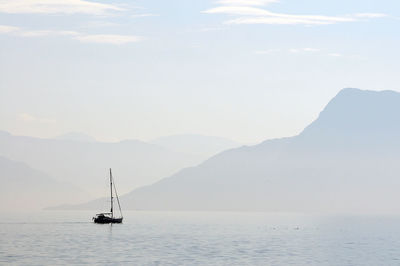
(247, 2)
(7, 29)
(144, 15)
(370, 15)
(251, 12)
(299, 51)
(308, 49)
(335, 54)
(56, 7)
(35, 119)
(86, 38)
(41, 33)
(239, 10)
(109, 38)
(286, 20)
(100, 24)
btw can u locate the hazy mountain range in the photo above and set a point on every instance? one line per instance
(346, 160)
(23, 187)
(196, 145)
(83, 162)
(76, 136)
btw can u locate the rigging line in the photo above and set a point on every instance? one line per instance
(119, 205)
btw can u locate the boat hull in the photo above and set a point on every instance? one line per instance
(107, 220)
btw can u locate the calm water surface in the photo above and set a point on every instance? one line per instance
(173, 238)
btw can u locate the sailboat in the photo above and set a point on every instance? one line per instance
(108, 217)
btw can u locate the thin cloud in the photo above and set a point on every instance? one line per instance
(41, 33)
(85, 38)
(56, 7)
(311, 49)
(247, 2)
(35, 119)
(250, 12)
(298, 51)
(100, 24)
(109, 38)
(144, 15)
(8, 29)
(308, 49)
(285, 21)
(238, 10)
(335, 54)
(370, 15)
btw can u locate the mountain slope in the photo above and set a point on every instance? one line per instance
(346, 160)
(24, 188)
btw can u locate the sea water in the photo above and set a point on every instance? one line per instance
(199, 238)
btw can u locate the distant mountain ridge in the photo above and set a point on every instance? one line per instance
(347, 160)
(25, 188)
(85, 164)
(76, 136)
(205, 146)
(79, 159)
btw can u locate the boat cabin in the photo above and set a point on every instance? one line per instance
(106, 218)
(108, 214)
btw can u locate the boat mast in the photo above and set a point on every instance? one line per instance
(112, 215)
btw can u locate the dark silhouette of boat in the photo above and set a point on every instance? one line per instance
(108, 217)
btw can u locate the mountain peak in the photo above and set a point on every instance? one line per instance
(362, 111)
(348, 92)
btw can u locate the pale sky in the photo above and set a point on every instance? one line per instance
(247, 70)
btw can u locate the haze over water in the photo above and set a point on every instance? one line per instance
(199, 238)
(239, 119)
